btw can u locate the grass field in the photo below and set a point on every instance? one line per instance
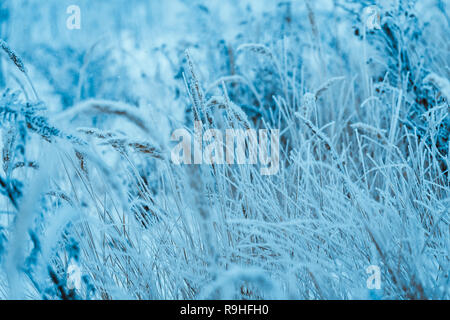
(93, 207)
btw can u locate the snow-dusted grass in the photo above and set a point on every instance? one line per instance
(363, 179)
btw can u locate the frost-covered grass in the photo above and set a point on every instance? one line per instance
(87, 179)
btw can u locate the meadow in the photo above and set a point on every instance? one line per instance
(93, 207)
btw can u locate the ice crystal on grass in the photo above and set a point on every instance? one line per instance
(92, 206)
